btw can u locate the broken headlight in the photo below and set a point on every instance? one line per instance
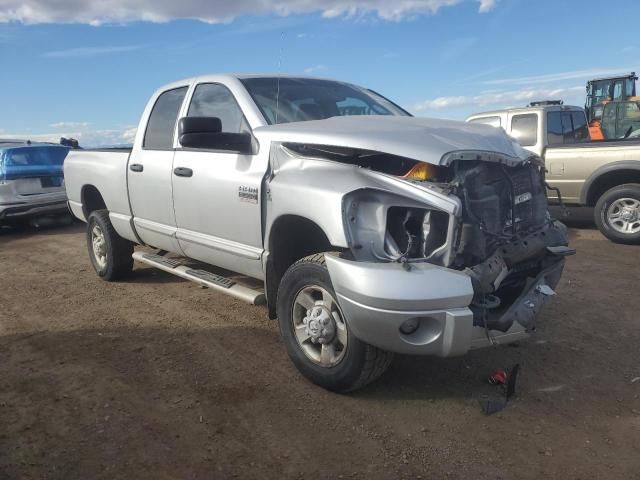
(387, 227)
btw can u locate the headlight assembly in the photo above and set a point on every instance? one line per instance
(387, 227)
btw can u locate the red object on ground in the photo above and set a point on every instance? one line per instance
(498, 377)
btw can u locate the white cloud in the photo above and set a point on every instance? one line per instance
(129, 135)
(556, 77)
(314, 69)
(210, 11)
(503, 99)
(87, 138)
(487, 5)
(69, 125)
(90, 51)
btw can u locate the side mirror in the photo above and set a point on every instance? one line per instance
(206, 133)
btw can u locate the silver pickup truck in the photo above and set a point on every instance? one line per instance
(600, 174)
(367, 231)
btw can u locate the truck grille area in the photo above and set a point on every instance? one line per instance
(500, 203)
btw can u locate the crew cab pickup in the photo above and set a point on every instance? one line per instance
(367, 231)
(601, 174)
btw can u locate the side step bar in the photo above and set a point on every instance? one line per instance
(202, 277)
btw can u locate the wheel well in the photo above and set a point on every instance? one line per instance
(610, 180)
(292, 237)
(91, 200)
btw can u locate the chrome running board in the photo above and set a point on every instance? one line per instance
(202, 277)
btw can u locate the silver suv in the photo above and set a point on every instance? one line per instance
(31, 180)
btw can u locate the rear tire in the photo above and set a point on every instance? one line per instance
(352, 364)
(617, 214)
(110, 254)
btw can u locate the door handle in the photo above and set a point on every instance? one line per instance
(183, 172)
(136, 167)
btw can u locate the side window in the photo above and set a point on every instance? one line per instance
(608, 125)
(524, 128)
(555, 134)
(580, 128)
(162, 121)
(629, 118)
(629, 85)
(494, 121)
(617, 90)
(567, 127)
(215, 100)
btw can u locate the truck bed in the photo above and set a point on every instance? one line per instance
(106, 170)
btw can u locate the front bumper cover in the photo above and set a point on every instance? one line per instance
(377, 298)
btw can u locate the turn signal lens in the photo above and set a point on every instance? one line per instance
(421, 171)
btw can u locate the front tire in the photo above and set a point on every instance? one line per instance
(110, 254)
(315, 332)
(617, 214)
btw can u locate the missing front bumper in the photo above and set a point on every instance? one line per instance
(525, 309)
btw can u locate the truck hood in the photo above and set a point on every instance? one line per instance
(424, 139)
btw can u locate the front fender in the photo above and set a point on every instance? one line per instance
(316, 188)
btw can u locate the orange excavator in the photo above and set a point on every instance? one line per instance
(611, 105)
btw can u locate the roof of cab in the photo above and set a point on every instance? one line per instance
(226, 77)
(537, 108)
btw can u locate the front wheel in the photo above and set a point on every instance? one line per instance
(110, 254)
(316, 333)
(617, 214)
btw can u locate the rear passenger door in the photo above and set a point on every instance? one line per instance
(149, 174)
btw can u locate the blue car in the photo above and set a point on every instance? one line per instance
(31, 180)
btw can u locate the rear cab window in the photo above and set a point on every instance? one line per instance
(524, 128)
(566, 127)
(162, 120)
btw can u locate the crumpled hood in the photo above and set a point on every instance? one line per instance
(424, 139)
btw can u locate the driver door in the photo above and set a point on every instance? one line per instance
(217, 194)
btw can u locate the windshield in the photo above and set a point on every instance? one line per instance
(303, 99)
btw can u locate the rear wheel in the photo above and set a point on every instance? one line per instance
(317, 335)
(110, 254)
(617, 214)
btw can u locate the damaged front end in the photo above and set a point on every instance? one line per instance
(506, 241)
(441, 257)
(502, 235)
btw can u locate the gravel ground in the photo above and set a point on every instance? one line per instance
(157, 378)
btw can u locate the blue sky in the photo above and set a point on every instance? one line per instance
(78, 69)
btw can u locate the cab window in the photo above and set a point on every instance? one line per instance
(555, 132)
(580, 127)
(629, 118)
(566, 127)
(162, 121)
(608, 125)
(524, 128)
(617, 90)
(215, 100)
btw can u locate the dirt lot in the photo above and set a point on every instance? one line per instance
(158, 378)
